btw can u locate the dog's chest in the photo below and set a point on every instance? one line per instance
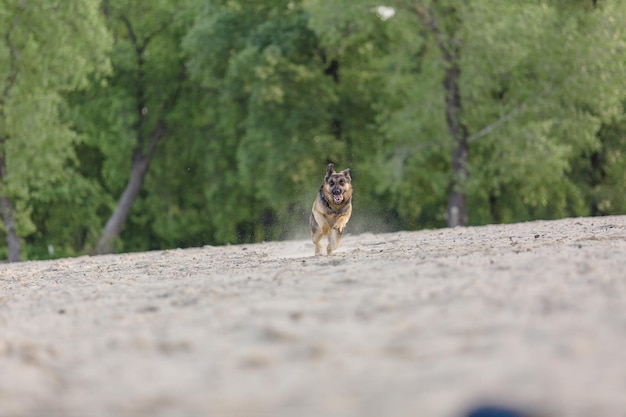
(331, 219)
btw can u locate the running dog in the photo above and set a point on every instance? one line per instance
(332, 209)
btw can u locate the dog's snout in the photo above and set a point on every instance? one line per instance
(336, 191)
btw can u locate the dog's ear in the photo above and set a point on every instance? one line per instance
(346, 173)
(330, 170)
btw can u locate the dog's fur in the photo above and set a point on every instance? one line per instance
(332, 209)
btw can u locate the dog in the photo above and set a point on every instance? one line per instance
(332, 209)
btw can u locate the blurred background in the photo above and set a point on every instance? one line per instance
(141, 125)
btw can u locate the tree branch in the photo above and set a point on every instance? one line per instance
(516, 110)
(133, 36)
(140, 48)
(427, 17)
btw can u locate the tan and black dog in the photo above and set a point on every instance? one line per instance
(332, 209)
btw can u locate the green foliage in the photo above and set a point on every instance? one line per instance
(535, 90)
(38, 41)
(559, 86)
(148, 90)
(291, 99)
(256, 97)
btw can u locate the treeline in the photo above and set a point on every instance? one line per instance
(138, 125)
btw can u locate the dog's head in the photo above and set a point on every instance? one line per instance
(337, 185)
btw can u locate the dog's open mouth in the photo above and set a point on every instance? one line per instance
(337, 196)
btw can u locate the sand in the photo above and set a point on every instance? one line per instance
(427, 323)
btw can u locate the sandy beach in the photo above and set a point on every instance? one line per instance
(427, 323)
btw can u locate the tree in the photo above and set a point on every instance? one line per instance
(295, 91)
(446, 36)
(149, 75)
(38, 40)
(527, 103)
(544, 108)
(218, 120)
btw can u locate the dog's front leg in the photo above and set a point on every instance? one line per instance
(316, 235)
(317, 238)
(334, 239)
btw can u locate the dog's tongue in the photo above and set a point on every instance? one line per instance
(338, 198)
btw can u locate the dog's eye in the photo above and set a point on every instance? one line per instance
(332, 183)
(342, 182)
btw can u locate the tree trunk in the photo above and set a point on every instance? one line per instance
(6, 205)
(448, 43)
(456, 212)
(8, 217)
(138, 170)
(115, 223)
(13, 240)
